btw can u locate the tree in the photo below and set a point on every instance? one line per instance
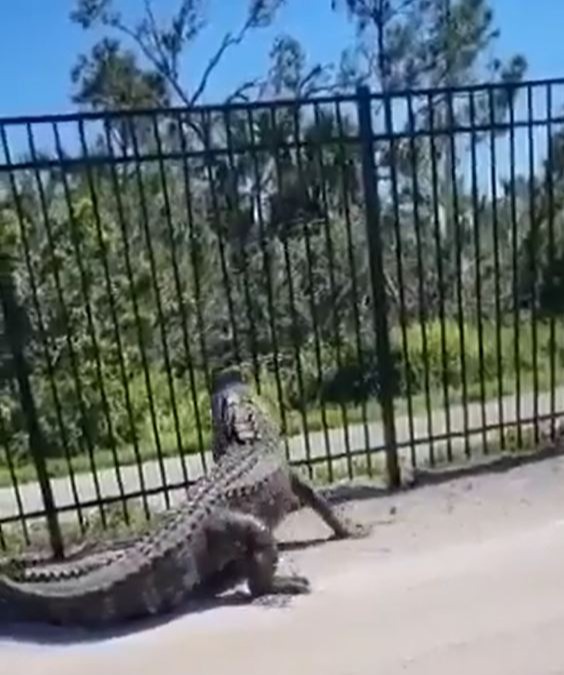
(110, 69)
(428, 44)
(112, 78)
(406, 44)
(254, 218)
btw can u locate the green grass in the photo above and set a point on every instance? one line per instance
(476, 369)
(117, 529)
(25, 470)
(104, 459)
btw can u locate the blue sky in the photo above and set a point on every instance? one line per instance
(39, 44)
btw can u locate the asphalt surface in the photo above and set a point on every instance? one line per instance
(463, 577)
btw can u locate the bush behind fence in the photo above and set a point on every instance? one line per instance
(148, 248)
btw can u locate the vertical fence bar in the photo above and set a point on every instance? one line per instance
(458, 243)
(15, 482)
(222, 245)
(476, 226)
(46, 343)
(146, 227)
(236, 206)
(397, 222)
(377, 280)
(118, 189)
(437, 236)
(515, 270)
(551, 252)
(193, 241)
(345, 181)
(275, 128)
(413, 155)
(66, 318)
(267, 266)
(533, 245)
(330, 251)
(12, 322)
(312, 306)
(497, 269)
(178, 290)
(87, 303)
(117, 333)
(522, 237)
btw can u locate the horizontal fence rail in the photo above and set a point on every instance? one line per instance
(386, 269)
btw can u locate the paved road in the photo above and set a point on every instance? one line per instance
(338, 439)
(465, 578)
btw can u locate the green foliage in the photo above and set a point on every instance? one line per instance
(143, 277)
(482, 354)
(110, 78)
(425, 43)
(135, 298)
(113, 76)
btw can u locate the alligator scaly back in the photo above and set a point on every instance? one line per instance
(206, 543)
(221, 535)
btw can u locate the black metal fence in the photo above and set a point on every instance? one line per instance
(387, 269)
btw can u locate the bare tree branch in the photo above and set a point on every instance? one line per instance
(310, 77)
(170, 71)
(240, 94)
(229, 40)
(134, 35)
(157, 41)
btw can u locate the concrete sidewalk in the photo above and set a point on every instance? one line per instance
(353, 437)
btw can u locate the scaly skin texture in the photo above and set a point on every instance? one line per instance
(42, 567)
(239, 417)
(193, 546)
(221, 535)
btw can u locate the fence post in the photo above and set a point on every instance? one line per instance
(12, 313)
(377, 280)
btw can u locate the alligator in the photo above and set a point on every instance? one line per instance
(221, 535)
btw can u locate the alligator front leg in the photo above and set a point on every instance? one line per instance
(254, 548)
(308, 496)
